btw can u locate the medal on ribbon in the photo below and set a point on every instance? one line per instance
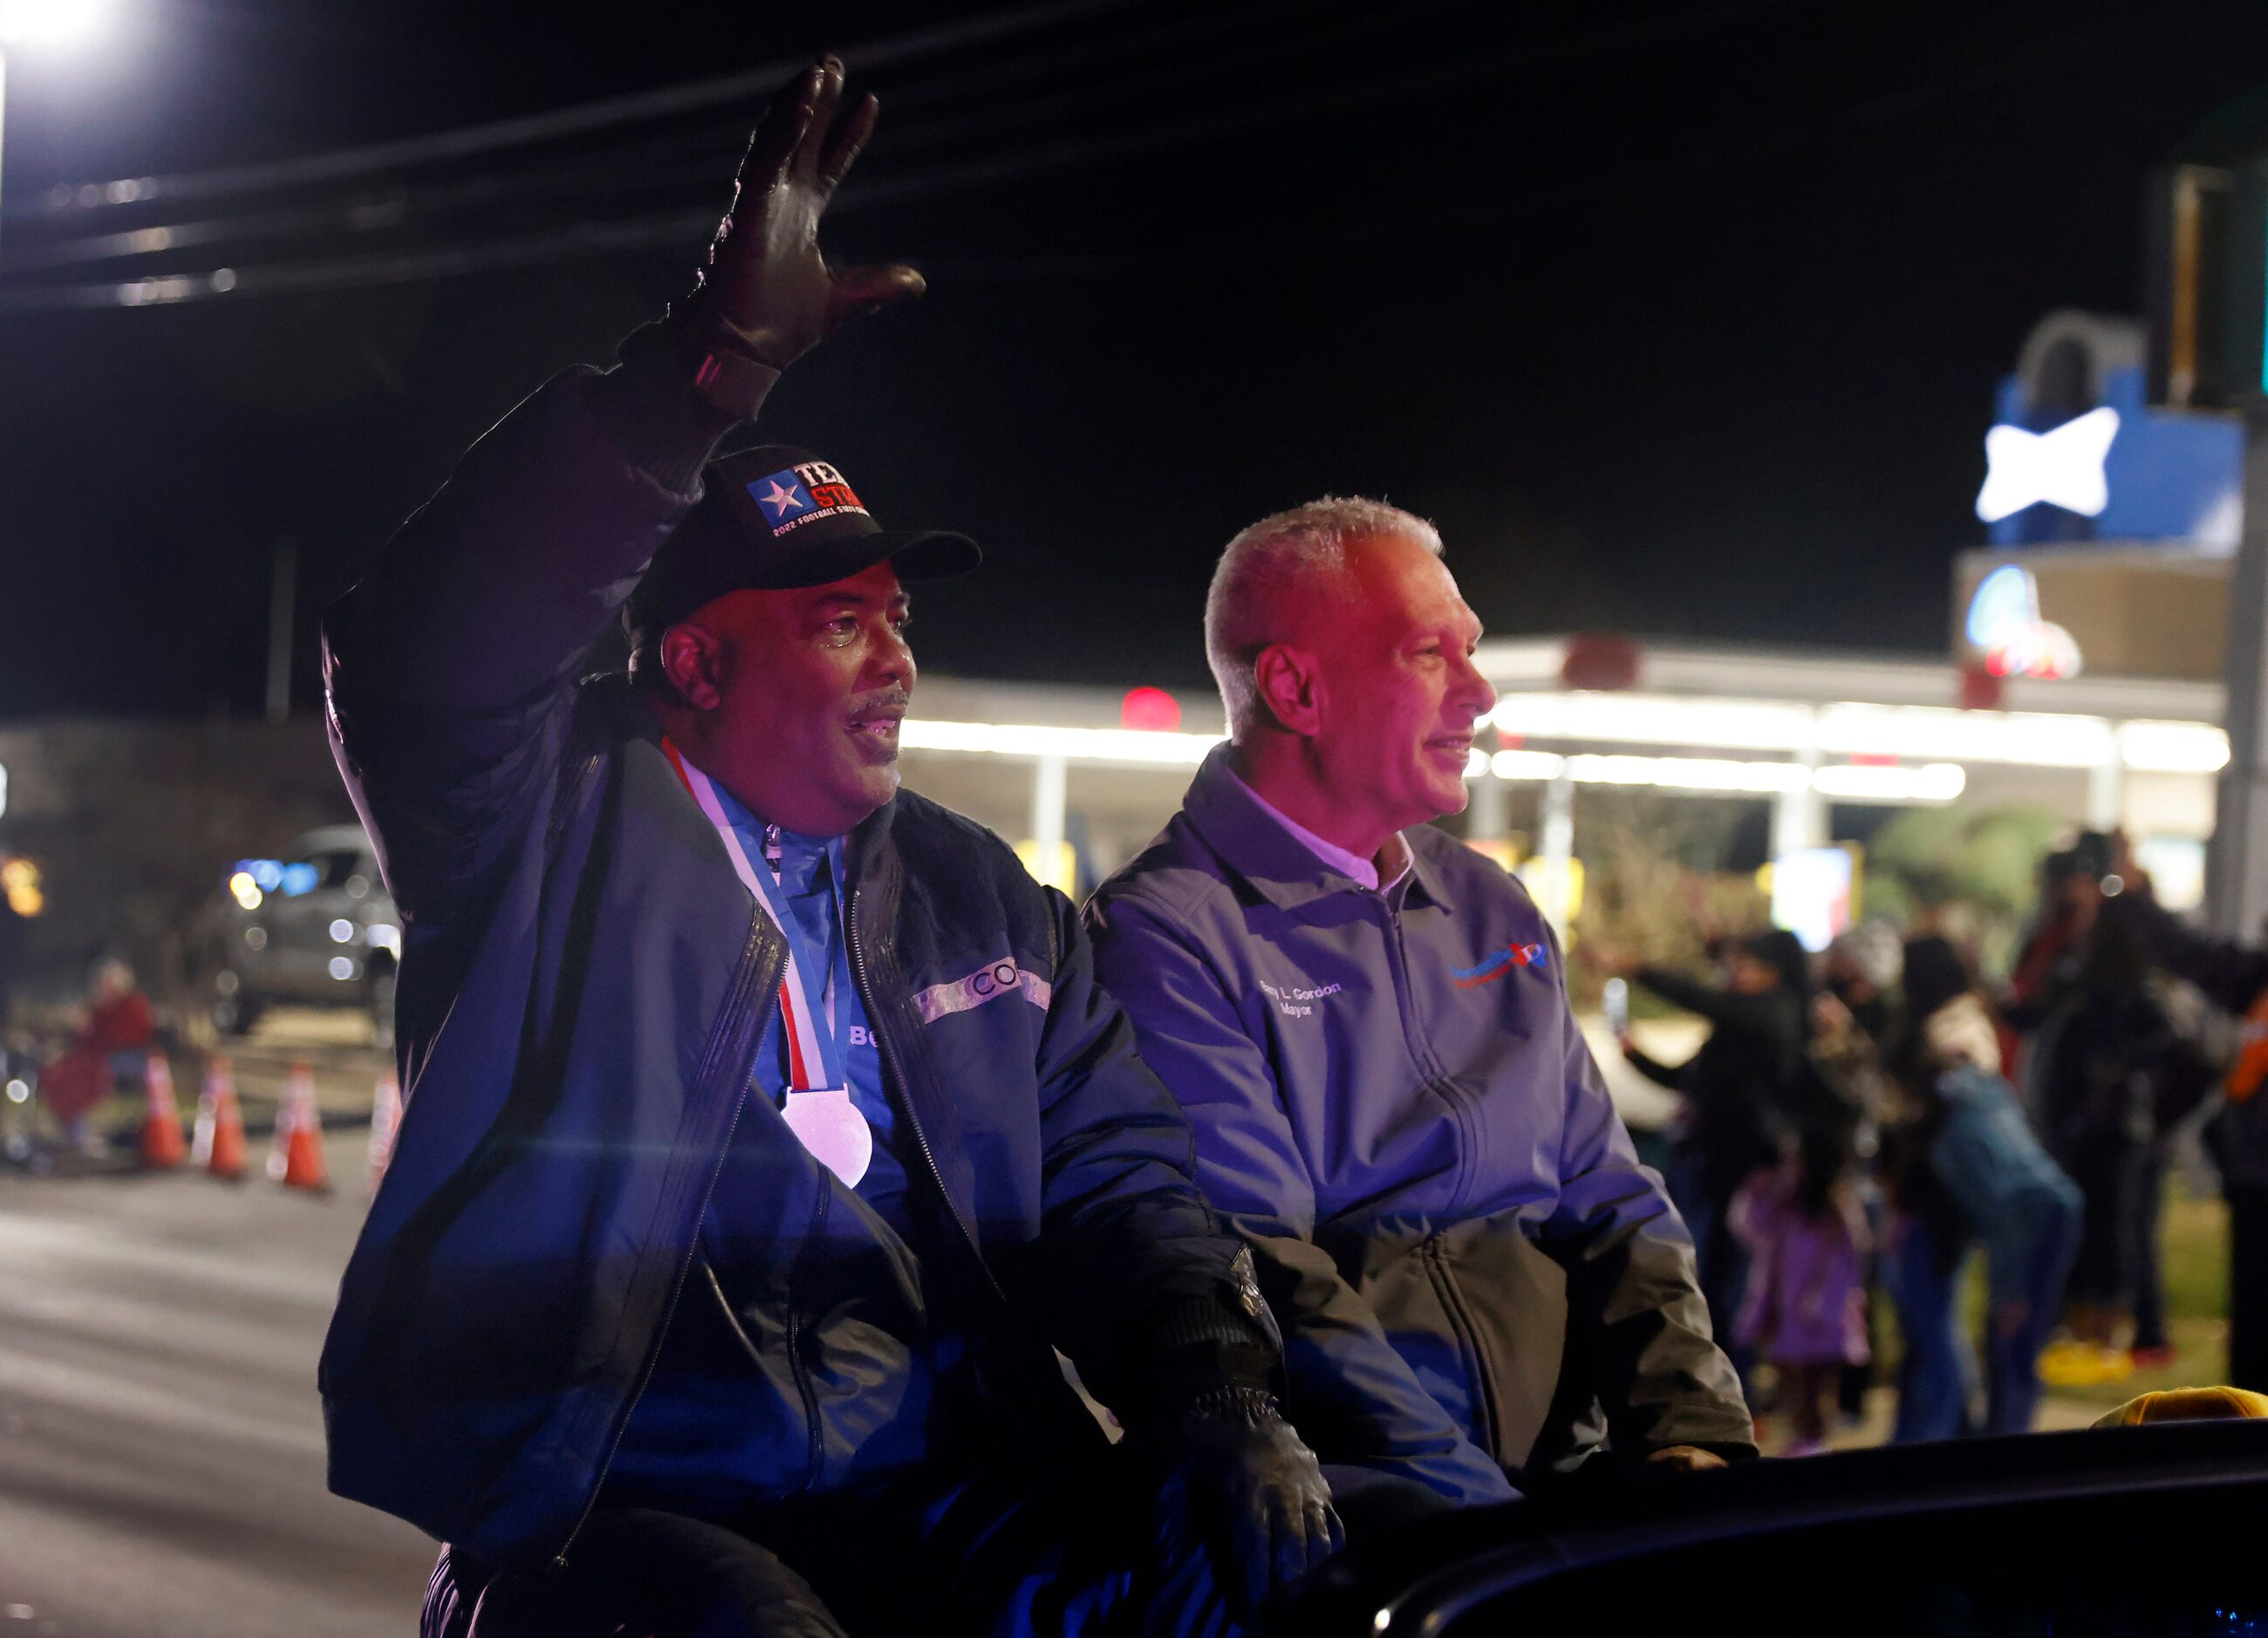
(818, 1109)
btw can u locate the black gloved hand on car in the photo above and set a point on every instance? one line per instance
(1253, 1495)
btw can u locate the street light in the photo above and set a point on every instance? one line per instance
(42, 22)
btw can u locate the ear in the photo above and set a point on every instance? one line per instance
(1291, 686)
(693, 660)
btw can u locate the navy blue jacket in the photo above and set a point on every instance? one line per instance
(584, 983)
(1394, 1104)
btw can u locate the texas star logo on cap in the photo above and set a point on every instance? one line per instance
(793, 496)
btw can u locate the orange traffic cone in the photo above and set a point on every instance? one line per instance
(385, 1121)
(297, 1159)
(161, 1127)
(218, 1142)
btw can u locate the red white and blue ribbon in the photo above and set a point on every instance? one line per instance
(818, 1110)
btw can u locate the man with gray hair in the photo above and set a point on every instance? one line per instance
(1367, 1023)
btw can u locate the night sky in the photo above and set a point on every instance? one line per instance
(1679, 319)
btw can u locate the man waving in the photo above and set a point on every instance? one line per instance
(740, 1197)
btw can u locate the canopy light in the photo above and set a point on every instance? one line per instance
(2062, 466)
(1919, 734)
(1901, 742)
(1934, 781)
(1145, 747)
(1871, 781)
(2027, 739)
(1655, 719)
(2173, 747)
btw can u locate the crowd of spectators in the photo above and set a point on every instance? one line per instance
(1860, 1129)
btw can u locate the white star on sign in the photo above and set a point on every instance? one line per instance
(787, 499)
(2062, 466)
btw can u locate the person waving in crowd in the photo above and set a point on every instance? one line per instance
(1736, 1088)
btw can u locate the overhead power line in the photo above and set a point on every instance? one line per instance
(583, 240)
(659, 230)
(746, 86)
(390, 207)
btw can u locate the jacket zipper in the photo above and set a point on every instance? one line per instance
(661, 1331)
(1421, 1054)
(884, 1023)
(1453, 1304)
(795, 1361)
(569, 793)
(815, 1444)
(797, 1368)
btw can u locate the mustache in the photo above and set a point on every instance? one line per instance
(884, 699)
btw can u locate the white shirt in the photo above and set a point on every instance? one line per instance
(1396, 851)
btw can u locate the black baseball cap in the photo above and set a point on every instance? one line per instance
(773, 518)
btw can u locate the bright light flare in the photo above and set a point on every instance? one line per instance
(245, 889)
(51, 22)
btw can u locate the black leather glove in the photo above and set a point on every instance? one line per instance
(1253, 1494)
(768, 296)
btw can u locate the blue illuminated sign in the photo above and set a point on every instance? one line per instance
(2120, 472)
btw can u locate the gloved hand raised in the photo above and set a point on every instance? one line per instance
(1255, 1495)
(767, 292)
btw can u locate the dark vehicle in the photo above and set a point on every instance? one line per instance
(2125, 1530)
(314, 929)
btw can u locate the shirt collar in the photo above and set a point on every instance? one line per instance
(1269, 852)
(1355, 868)
(800, 855)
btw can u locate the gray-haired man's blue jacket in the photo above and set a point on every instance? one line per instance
(1393, 1105)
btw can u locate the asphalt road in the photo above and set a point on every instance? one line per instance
(161, 1447)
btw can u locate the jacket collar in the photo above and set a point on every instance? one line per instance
(866, 850)
(1278, 866)
(869, 860)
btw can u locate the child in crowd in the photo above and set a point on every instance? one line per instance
(1806, 1307)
